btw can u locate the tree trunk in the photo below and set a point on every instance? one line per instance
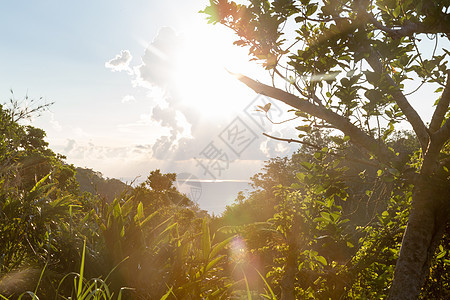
(426, 225)
(288, 280)
(293, 239)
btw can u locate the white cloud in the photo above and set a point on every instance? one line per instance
(128, 98)
(273, 148)
(183, 133)
(179, 127)
(159, 59)
(70, 145)
(121, 62)
(56, 125)
(80, 133)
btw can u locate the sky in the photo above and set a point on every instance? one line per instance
(140, 85)
(143, 85)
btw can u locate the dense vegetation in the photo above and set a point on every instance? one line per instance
(361, 211)
(355, 66)
(317, 225)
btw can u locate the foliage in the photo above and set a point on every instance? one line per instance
(337, 224)
(35, 193)
(326, 223)
(345, 65)
(151, 242)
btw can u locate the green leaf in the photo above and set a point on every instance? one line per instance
(140, 211)
(322, 260)
(166, 295)
(318, 155)
(117, 211)
(397, 11)
(311, 9)
(306, 165)
(249, 294)
(80, 282)
(388, 178)
(148, 219)
(40, 183)
(388, 131)
(326, 216)
(304, 128)
(168, 229)
(220, 246)
(335, 216)
(300, 113)
(213, 262)
(300, 176)
(441, 254)
(206, 240)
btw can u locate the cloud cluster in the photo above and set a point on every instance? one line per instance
(186, 133)
(160, 59)
(157, 70)
(55, 124)
(121, 62)
(128, 98)
(179, 128)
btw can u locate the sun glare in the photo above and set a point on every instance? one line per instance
(202, 76)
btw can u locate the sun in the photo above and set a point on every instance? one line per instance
(202, 71)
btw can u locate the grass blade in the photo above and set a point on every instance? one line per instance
(80, 283)
(249, 294)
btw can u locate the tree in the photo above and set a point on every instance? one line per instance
(37, 202)
(346, 66)
(325, 227)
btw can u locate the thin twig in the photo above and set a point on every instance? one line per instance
(320, 148)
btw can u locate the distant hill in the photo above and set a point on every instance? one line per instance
(94, 183)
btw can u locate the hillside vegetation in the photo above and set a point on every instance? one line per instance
(320, 224)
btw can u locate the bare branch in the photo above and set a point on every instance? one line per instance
(357, 135)
(320, 148)
(281, 122)
(293, 141)
(441, 108)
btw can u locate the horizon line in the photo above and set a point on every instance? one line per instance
(215, 180)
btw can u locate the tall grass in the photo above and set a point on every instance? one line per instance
(83, 289)
(92, 289)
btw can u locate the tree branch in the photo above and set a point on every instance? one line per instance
(411, 114)
(408, 28)
(320, 148)
(357, 135)
(292, 141)
(441, 108)
(443, 134)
